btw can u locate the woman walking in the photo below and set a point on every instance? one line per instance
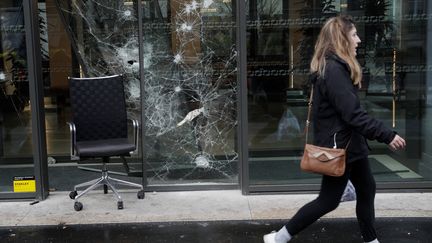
(338, 116)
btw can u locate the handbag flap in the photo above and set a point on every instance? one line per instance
(322, 153)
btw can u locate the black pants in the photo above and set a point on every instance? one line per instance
(332, 188)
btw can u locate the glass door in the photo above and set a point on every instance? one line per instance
(16, 156)
(396, 84)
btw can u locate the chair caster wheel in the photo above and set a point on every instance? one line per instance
(141, 194)
(78, 206)
(105, 189)
(73, 194)
(120, 205)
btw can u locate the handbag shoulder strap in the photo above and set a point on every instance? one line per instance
(308, 115)
(308, 121)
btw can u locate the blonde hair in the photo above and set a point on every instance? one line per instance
(334, 38)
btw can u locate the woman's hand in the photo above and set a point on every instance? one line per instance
(397, 143)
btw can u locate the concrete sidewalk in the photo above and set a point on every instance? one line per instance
(223, 205)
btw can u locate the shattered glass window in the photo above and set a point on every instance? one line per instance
(189, 85)
(189, 98)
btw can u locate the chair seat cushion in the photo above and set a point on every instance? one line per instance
(106, 147)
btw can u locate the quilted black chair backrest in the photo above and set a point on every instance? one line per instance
(98, 108)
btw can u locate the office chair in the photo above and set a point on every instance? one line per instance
(99, 130)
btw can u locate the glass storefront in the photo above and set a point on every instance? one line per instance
(184, 87)
(16, 155)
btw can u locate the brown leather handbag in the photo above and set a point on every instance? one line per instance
(322, 160)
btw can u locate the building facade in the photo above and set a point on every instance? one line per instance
(219, 86)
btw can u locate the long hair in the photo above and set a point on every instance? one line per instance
(334, 38)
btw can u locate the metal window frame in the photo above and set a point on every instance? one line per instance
(142, 79)
(242, 106)
(34, 60)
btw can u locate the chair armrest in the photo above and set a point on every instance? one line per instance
(135, 124)
(72, 130)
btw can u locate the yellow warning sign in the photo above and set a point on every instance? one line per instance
(24, 184)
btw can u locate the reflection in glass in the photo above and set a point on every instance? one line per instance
(394, 54)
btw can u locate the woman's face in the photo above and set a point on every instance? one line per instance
(354, 40)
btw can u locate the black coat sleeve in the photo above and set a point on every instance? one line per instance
(342, 95)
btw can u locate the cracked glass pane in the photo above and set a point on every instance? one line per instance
(189, 98)
(104, 35)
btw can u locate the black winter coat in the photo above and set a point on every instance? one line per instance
(337, 114)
